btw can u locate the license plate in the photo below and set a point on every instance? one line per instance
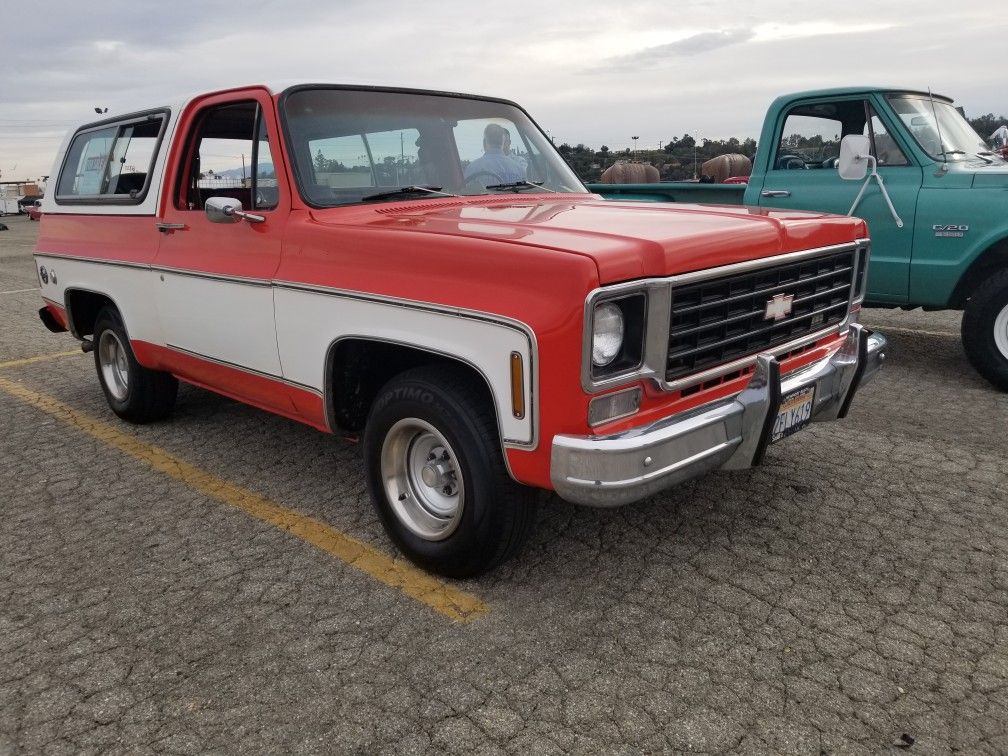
(794, 414)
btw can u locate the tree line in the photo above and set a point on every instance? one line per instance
(680, 158)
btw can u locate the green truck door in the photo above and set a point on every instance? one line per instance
(802, 175)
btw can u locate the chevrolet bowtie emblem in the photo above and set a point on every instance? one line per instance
(779, 307)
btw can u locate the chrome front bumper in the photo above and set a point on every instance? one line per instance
(607, 471)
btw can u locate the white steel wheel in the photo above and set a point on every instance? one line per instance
(114, 364)
(1001, 331)
(422, 479)
(133, 392)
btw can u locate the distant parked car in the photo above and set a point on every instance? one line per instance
(35, 210)
(23, 203)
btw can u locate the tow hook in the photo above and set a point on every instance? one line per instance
(87, 345)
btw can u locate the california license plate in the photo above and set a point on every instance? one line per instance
(794, 414)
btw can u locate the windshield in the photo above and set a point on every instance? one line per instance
(957, 140)
(351, 146)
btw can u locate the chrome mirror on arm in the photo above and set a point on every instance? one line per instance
(229, 210)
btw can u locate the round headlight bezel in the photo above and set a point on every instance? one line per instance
(608, 333)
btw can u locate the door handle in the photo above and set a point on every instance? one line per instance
(775, 193)
(167, 228)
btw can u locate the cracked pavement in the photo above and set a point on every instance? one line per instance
(853, 589)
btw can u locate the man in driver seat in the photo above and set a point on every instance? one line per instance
(494, 166)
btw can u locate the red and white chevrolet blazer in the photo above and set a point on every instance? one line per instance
(423, 267)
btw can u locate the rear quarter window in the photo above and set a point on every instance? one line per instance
(112, 162)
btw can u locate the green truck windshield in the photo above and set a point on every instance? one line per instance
(940, 129)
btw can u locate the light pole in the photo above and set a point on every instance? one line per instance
(635, 145)
(695, 176)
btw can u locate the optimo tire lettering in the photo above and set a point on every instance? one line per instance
(413, 394)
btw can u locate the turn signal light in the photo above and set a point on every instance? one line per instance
(602, 409)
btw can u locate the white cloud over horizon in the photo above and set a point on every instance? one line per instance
(589, 72)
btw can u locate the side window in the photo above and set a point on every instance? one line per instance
(341, 163)
(111, 163)
(886, 150)
(230, 156)
(382, 159)
(396, 155)
(811, 135)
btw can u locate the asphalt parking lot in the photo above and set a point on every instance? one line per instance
(220, 583)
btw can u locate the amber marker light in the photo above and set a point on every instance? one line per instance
(517, 386)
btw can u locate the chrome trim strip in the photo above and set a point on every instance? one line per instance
(656, 337)
(96, 260)
(245, 280)
(762, 262)
(243, 369)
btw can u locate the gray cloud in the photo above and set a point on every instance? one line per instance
(695, 44)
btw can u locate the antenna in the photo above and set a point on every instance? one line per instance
(941, 143)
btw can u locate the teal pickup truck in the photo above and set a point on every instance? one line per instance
(934, 195)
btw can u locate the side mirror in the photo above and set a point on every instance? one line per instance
(228, 210)
(221, 209)
(855, 154)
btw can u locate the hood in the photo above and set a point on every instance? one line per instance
(626, 240)
(992, 176)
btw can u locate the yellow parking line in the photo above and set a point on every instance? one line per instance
(395, 573)
(39, 358)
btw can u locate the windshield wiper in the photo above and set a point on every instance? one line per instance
(406, 191)
(523, 185)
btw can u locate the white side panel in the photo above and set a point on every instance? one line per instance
(130, 287)
(309, 322)
(222, 319)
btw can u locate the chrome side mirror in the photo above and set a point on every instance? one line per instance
(855, 154)
(853, 164)
(228, 210)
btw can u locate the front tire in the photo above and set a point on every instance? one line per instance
(134, 393)
(985, 329)
(436, 473)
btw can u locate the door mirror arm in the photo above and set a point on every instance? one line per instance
(229, 210)
(853, 165)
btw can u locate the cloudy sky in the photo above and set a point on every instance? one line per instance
(592, 72)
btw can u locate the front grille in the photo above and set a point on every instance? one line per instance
(722, 319)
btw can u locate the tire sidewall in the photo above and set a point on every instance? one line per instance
(473, 534)
(108, 320)
(978, 324)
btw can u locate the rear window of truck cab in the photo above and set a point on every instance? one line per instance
(112, 162)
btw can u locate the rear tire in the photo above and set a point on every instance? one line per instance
(436, 473)
(134, 393)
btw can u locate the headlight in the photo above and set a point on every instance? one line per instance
(607, 334)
